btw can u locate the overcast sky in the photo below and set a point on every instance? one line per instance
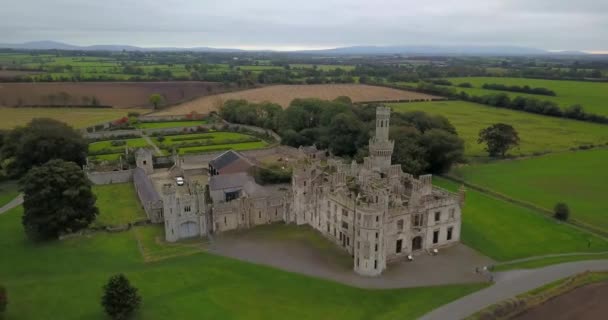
(290, 24)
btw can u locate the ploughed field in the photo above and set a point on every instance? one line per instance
(113, 94)
(284, 94)
(64, 279)
(591, 95)
(579, 179)
(539, 134)
(76, 117)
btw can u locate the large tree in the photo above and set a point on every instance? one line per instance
(120, 299)
(57, 200)
(499, 138)
(38, 142)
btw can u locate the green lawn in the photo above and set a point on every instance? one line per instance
(220, 147)
(8, 191)
(591, 95)
(505, 231)
(533, 264)
(212, 141)
(538, 134)
(63, 280)
(76, 117)
(106, 145)
(169, 124)
(580, 179)
(118, 204)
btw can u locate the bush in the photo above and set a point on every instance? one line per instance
(160, 138)
(120, 298)
(465, 85)
(118, 143)
(561, 211)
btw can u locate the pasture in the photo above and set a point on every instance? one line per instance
(591, 95)
(76, 117)
(114, 94)
(194, 283)
(538, 134)
(505, 231)
(579, 179)
(284, 94)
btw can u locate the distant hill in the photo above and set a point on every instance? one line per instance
(354, 50)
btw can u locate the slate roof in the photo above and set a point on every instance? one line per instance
(231, 162)
(145, 188)
(226, 181)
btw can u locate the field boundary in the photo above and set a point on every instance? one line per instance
(545, 212)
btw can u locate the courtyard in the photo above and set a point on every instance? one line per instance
(301, 249)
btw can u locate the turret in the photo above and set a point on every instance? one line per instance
(380, 147)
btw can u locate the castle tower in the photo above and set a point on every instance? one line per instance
(380, 147)
(143, 159)
(170, 212)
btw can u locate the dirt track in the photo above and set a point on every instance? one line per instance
(115, 94)
(584, 303)
(284, 94)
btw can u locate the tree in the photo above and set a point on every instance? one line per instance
(3, 300)
(499, 138)
(120, 299)
(156, 100)
(561, 211)
(442, 149)
(345, 134)
(38, 142)
(57, 200)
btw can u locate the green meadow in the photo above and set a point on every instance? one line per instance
(64, 279)
(580, 179)
(506, 231)
(538, 134)
(591, 95)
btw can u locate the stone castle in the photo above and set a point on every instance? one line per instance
(373, 210)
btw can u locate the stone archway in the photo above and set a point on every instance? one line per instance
(417, 243)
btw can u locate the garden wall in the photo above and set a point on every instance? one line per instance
(110, 177)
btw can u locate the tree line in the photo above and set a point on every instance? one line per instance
(522, 89)
(423, 143)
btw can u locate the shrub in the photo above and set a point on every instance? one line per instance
(160, 138)
(561, 211)
(118, 143)
(120, 298)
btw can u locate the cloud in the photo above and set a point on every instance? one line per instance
(557, 24)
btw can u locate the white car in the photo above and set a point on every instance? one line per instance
(180, 181)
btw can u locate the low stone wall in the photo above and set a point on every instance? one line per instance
(111, 134)
(111, 177)
(254, 129)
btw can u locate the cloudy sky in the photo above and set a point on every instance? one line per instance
(285, 24)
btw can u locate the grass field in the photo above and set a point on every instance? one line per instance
(76, 117)
(169, 124)
(579, 179)
(118, 204)
(284, 94)
(324, 67)
(505, 231)
(591, 95)
(63, 279)
(538, 134)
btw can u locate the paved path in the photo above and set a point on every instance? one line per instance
(569, 254)
(509, 284)
(149, 141)
(13, 203)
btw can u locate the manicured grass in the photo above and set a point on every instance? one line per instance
(538, 134)
(169, 124)
(220, 147)
(63, 279)
(107, 144)
(118, 204)
(591, 95)
(197, 137)
(76, 117)
(8, 191)
(580, 179)
(505, 231)
(548, 261)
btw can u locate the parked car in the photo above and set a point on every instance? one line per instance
(180, 181)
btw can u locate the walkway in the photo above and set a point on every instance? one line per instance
(509, 284)
(149, 141)
(13, 203)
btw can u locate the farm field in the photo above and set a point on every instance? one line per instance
(284, 94)
(505, 231)
(114, 94)
(591, 95)
(76, 117)
(538, 134)
(117, 202)
(169, 124)
(579, 179)
(198, 283)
